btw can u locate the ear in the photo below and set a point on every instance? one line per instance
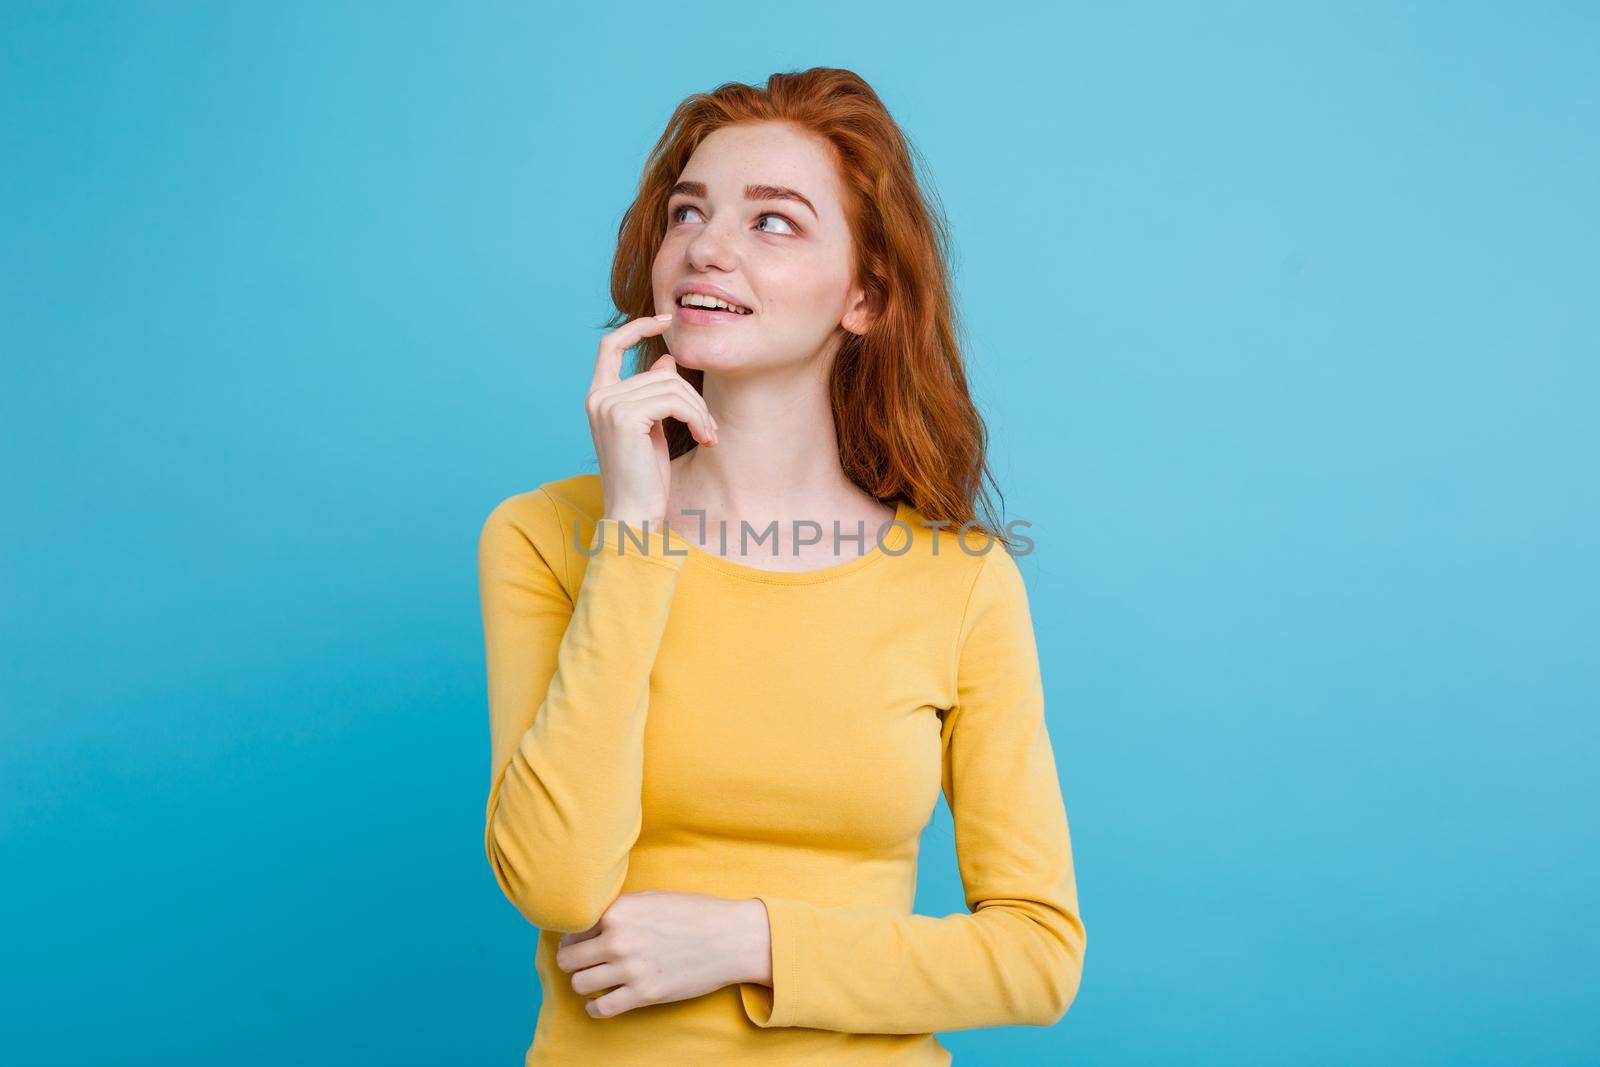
(862, 314)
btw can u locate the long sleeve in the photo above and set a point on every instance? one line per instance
(1017, 957)
(568, 683)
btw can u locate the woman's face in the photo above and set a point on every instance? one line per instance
(736, 222)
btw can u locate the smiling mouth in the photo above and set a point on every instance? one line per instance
(701, 302)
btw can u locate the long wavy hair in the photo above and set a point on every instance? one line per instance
(904, 418)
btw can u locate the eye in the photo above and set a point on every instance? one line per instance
(787, 226)
(678, 211)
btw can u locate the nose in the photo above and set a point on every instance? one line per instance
(712, 249)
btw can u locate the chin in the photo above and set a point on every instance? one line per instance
(704, 353)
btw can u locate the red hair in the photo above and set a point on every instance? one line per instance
(905, 421)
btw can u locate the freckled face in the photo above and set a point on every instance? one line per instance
(790, 265)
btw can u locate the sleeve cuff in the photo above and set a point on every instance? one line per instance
(779, 1005)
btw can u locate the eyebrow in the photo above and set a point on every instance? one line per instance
(751, 192)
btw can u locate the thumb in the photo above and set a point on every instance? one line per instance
(666, 360)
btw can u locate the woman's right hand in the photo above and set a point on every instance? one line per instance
(625, 419)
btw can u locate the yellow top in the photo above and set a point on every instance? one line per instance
(667, 718)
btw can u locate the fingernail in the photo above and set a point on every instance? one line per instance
(664, 316)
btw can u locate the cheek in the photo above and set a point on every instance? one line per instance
(813, 297)
(669, 261)
(659, 268)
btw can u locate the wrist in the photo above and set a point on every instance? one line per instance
(752, 942)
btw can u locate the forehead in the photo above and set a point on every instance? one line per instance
(765, 153)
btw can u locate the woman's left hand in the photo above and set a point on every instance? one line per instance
(658, 945)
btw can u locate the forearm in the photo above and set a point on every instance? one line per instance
(870, 970)
(564, 811)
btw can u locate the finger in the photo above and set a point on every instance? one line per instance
(650, 383)
(657, 402)
(598, 978)
(614, 1003)
(608, 359)
(565, 946)
(580, 954)
(579, 935)
(668, 400)
(658, 438)
(668, 362)
(657, 373)
(664, 369)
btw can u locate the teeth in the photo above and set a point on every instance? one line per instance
(701, 300)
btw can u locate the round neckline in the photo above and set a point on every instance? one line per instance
(902, 514)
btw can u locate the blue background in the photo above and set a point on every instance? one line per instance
(1284, 320)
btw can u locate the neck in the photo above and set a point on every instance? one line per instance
(777, 455)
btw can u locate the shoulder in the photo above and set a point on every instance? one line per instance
(955, 569)
(992, 584)
(564, 499)
(579, 496)
(543, 519)
(964, 555)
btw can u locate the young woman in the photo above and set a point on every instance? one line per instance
(728, 675)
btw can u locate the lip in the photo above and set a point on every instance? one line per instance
(692, 316)
(707, 289)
